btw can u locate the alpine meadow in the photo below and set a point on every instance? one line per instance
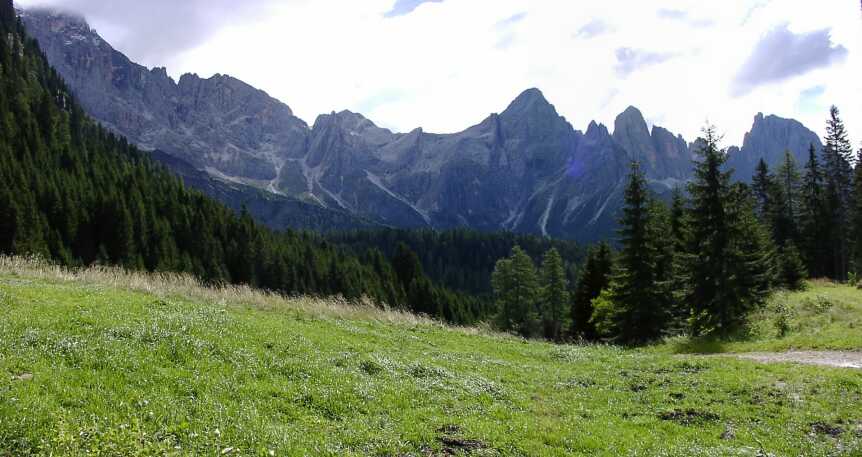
(187, 267)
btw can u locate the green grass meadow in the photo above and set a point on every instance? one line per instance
(109, 363)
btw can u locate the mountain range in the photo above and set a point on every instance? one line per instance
(526, 169)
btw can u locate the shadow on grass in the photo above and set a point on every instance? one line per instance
(704, 345)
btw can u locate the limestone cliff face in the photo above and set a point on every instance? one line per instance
(525, 169)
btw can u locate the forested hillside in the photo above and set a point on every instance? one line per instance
(461, 259)
(73, 192)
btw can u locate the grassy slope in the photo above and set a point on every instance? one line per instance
(161, 367)
(824, 316)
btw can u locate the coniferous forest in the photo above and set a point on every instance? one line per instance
(702, 264)
(73, 192)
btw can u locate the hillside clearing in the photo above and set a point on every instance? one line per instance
(112, 363)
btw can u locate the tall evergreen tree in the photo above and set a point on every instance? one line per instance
(679, 229)
(787, 202)
(406, 265)
(838, 173)
(725, 246)
(555, 295)
(857, 215)
(814, 219)
(516, 286)
(503, 282)
(762, 185)
(593, 280)
(526, 293)
(639, 313)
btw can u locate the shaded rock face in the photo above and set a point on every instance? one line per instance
(661, 154)
(525, 169)
(769, 138)
(218, 123)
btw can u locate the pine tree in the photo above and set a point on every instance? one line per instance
(762, 186)
(750, 257)
(8, 221)
(791, 268)
(593, 280)
(787, 202)
(665, 264)
(857, 215)
(503, 283)
(640, 314)
(555, 295)
(516, 286)
(407, 266)
(526, 293)
(813, 218)
(680, 234)
(838, 173)
(727, 247)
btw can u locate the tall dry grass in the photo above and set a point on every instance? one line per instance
(166, 285)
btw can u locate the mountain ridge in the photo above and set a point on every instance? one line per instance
(525, 169)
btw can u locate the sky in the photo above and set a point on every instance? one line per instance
(444, 65)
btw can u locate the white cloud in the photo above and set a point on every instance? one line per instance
(447, 65)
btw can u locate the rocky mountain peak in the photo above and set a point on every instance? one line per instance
(631, 132)
(596, 130)
(769, 138)
(525, 169)
(530, 103)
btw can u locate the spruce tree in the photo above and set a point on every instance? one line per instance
(856, 238)
(406, 265)
(838, 173)
(813, 218)
(639, 312)
(594, 278)
(791, 268)
(516, 286)
(503, 283)
(526, 293)
(787, 202)
(727, 247)
(761, 184)
(679, 230)
(555, 295)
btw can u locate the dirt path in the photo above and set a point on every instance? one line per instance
(839, 359)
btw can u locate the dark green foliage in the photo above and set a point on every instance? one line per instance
(856, 238)
(777, 199)
(554, 295)
(460, 259)
(791, 268)
(729, 262)
(837, 155)
(640, 311)
(814, 218)
(516, 287)
(406, 265)
(73, 192)
(676, 289)
(594, 279)
(787, 204)
(762, 186)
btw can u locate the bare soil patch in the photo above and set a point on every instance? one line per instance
(838, 359)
